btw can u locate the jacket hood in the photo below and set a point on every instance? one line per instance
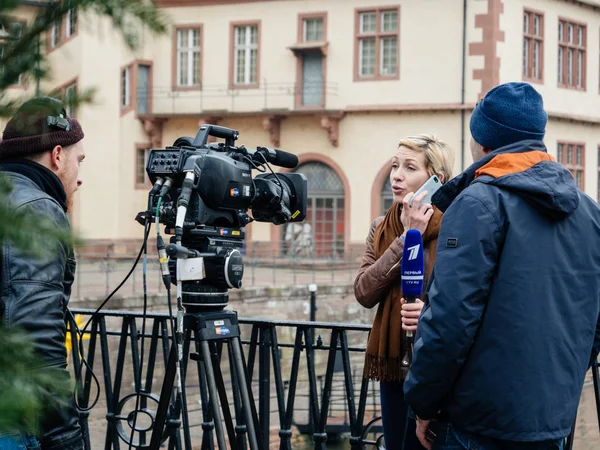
(526, 169)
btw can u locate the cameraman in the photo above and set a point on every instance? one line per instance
(40, 153)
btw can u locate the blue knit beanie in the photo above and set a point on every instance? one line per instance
(508, 113)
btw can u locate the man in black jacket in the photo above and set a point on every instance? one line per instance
(513, 321)
(40, 153)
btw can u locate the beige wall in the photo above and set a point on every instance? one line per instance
(430, 75)
(581, 103)
(435, 78)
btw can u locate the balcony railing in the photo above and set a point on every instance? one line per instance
(309, 381)
(268, 96)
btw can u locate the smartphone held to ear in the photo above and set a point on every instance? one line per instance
(431, 186)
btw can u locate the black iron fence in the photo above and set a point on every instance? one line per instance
(306, 378)
(305, 381)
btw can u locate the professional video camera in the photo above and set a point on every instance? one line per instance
(202, 193)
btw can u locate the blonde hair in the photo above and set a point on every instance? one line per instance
(439, 156)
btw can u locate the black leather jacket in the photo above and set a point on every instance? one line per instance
(34, 296)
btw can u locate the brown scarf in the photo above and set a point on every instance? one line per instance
(387, 341)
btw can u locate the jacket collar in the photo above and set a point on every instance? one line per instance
(444, 197)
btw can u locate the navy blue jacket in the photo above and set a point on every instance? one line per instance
(512, 323)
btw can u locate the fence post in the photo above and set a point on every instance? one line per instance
(312, 288)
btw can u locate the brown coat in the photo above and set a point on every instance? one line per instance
(378, 283)
(375, 276)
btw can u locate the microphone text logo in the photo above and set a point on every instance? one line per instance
(414, 250)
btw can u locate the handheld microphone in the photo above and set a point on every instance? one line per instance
(277, 157)
(412, 268)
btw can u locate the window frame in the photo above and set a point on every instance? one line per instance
(530, 38)
(59, 31)
(232, 54)
(175, 57)
(21, 81)
(304, 31)
(127, 92)
(146, 147)
(574, 168)
(133, 86)
(61, 91)
(564, 46)
(379, 36)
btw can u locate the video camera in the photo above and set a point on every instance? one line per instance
(202, 193)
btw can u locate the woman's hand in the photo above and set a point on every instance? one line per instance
(410, 314)
(416, 216)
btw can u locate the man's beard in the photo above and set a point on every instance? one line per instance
(69, 202)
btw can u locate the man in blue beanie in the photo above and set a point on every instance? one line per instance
(512, 321)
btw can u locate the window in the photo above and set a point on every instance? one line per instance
(533, 46)
(387, 196)
(70, 96)
(55, 33)
(71, 22)
(63, 29)
(125, 87)
(6, 38)
(572, 156)
(188, 57)
(245, 55)
(377, 44)
(313, 29)
(572, 41)
(135, 84)
(141, 158)
(324, 227)
(67, 93)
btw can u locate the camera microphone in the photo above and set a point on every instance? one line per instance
(277, 157)
(181, 252)
(412, 268)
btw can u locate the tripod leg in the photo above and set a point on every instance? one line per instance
(237, 355)
(165, 397)
(214, 399)
(223, 398)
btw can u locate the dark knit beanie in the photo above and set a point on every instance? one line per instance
(39, 125)
(509, 113)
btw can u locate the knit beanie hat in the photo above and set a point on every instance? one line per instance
(39, 125)
(508, 113)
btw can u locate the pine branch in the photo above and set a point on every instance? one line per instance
(26, 389)
(24, 57)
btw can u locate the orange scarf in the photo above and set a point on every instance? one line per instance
(387, 341)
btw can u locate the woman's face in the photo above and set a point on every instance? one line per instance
(409, 172)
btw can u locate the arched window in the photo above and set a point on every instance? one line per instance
(387, 196)
(322, 232)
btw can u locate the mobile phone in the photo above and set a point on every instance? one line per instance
(431, 186)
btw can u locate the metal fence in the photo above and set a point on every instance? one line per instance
(267, 95)
(304, 378)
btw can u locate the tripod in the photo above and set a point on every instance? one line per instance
(209, 330)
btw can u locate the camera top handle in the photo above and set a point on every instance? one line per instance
(206, 130)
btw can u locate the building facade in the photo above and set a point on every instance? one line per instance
(337, 82)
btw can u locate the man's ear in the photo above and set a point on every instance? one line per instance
(441, 177)
(57, 156)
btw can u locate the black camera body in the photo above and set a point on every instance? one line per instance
(202, 193)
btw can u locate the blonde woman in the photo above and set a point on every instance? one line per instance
(378, 281)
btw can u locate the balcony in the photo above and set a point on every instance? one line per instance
(163, 101)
